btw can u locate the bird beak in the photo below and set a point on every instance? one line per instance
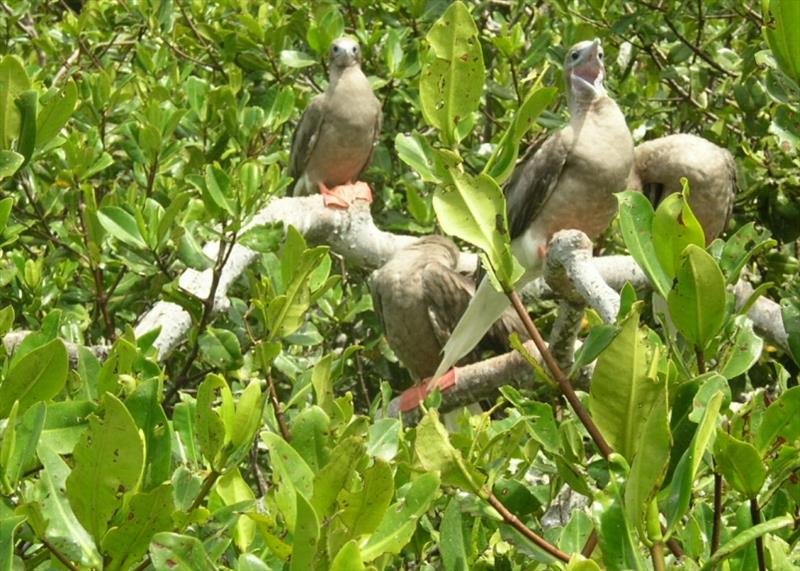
(589, 68)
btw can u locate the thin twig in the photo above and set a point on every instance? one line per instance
(755, 514)
(97, 274)
(700, 53)
(276, 406)
(58, 555)
(715, 529)
(561, 379)
(515, 522)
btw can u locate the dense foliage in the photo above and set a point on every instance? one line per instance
(132, 132)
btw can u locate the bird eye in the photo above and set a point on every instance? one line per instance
(355, 49)
(600, 55)
(335, 48)
(574, 56)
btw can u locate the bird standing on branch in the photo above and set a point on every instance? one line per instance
(419, 297)
(710, 170)
(337, 134)
(567, 182)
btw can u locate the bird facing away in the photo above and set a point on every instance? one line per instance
(710, 170)
(337, 133)
(567, 182)
(419, 297)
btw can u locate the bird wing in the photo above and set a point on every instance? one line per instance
(535, 179)
(446, 294)
(375, 135)
(306, 136)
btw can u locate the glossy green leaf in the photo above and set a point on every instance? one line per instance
(781, 420)
(574, 535)
(109, 461)
(416, 152)
(37, 376)
(232, 488)
(451, 538)
(8, 527)
(220, 348)
(13, 81)
(306, 536)
(615, 532)
(55, 113)
(451, 83)
(675, 227)
(400, 520)
(149, 513)
(209, 423)
(679, 492)
(10, 161)
(636, 222)
(697, 301)
(120, 224)
(740, 464)
(625, 386)
(436, 453)
(293, 475)
(348, 558)
(743, 352)
(179, 553)
(745, 538)
(384, 438)
(740, 248)
(145, 408)
(649, 465)
(364, 509)
(783, 36)
(473, 209)
(28, 105)
(20, 439)
(333, 477)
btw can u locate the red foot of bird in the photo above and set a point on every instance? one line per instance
(346, 195)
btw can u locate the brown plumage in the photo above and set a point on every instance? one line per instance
(419, 297)
(710, 170)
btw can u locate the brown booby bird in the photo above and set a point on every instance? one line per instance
(567, 182)
(709, 169)
(419, 297)
(337, 133)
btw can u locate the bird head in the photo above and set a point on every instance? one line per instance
(344, 53)
(585, 71)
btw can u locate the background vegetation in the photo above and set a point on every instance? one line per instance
(132, 132)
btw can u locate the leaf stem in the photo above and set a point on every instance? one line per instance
(515, 522)
(717, 512)
(655, 535)
(563, 382)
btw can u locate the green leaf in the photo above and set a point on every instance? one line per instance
(217, 190)
(574, 535)
(221, 348)
(400, 520)
(679, 491)
(20, 439)
(675, 227)
(8, 527)
(210, 424)
(451, 538)
(149, 513)
(348, 558)
(306, 536)
(615, 533)
(790, 315)
(146, 411)
(63, 528)
(625, 386)
(436, 453)
(740, 248)
(740, 464)
(27, 103)
(310, 436)
(600, 336)
(296, 59)
(247, 419)
(333, 477)
(10, 161)
(504, 157)
(293, 475)
(743, 352)
(783, 36)
(649, 465)
(364, 509)
(233, 489)
(13, 81)
(745, 538)
(38, 376)
(384, 438)
(120, 224)
(451, 84)
(108, 464)
(780, 421)
(178, 552)
(636, 222)
(55, 113)
(697, 302)
(474, 210)
(416, 152)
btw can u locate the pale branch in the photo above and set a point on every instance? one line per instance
(13, 339)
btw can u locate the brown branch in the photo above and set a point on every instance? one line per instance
(276, 406)
(561, 379)
(700, 53)
(755, 514)
(58, 555)
(717, 524)
(514, 521)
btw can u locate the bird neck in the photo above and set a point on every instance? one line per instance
(350, 74)
(580, 107)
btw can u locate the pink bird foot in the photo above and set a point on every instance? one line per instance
(345, 195)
